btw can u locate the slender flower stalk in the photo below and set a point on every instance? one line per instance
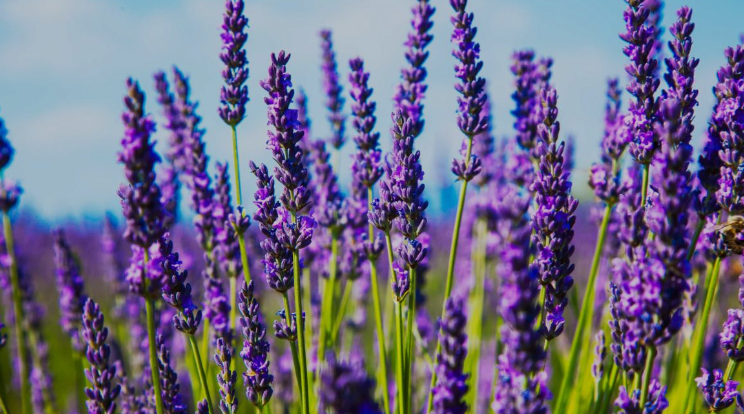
(605, 180)
(103, 392)
(142, 210)
(294, 231)
(367, 170)
(470, 120)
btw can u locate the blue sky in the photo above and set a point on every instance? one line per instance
(64, 63)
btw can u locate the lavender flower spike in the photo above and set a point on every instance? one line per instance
(6, 149)
(101, 374)
(226, 378)
(718, 393)
(255, 353)
(449, 393)
(471, 86)
(630, 403)
(172, 400)
(554, 217)
(140, 200)
(71, 288)
(234, 93)
(347, 389)
(333, 91)
(367, 168)
(410, 92)
(640, 35)
(176, 291)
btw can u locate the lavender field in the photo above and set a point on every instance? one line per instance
(294, 247)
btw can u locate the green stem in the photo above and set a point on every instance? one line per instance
(644, 189)
(236, 166)
(730, 369)
(200, 370)
(18, 312)
(3, 408)
(341, 314)
(150, 310)
(382, 373)
(586, 315)
(608, 391)
(205, 342)
(410, 327)
(401, 407)
(647, 374)
(451, 263)
(699, 334)
(79, 378)
(475, 321)
(695, 237)
(307, 297)
(292, 343)
(300, 325)
(329, 296)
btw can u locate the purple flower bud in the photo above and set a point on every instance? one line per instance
(101, 374)
(172, 400)
(228, 247)
(600, 353)
(410, 92)
(718, 393)
(226, 378)
(71, 288)
(449, 393)
(333, 91)
(255, 353)
(10, 192)
(366, 168)
(234, 93)
(141, 199)
(347, 389)
(630, 403)
(6, 149)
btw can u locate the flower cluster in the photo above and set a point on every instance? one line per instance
(71, 287)
(101, 374)
(471, 86)
(366, 169)
(347, 389)
(172, 401)
(605, 175)
(631, 403)
(333, 91)
(718, 392)
(176, 292)
(554, 217)
(255, 352)
(410, 92)
(449, 393)
(234, 93)
(228, 246)
(226, 377)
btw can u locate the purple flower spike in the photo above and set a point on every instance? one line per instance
(630, 404)
(710, 161)
(449, 393)
(717, 393)
(605, 176)
(256, 348)
(554, 218)
(226, 378)
(333, 91)
(216, 303)
(6, 149)
(732, 335)
(401, 284)
(176, 292)
(140, 200)
(600, 353)
(641, 35)
(347, 389)
(234, 93)
(172, 400)
(202, 407)
(71, 288)
(328, 199)
(526, 98)
(471, 86)
(176, 154)
(101, 374)
(366, 168)
(410, 92)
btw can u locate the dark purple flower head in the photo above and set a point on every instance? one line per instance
(630, 403)
(277, 260)
(406, 176)
(10, 192)
(484, 148)
(6, 149)
(334, 92)
(71, 287)
(732, 335)
(255, 350)
(202, 407)
(605, 176)
(710, 161)
(718, 393)
(216, 302)
(401, 283)
(101, 374)
(449, 393)
(234, 93)
(228, 246)
(3, 335)
(525, 98)
(410, 92)
(172, 400)
(176, 154)
(176, 291)
(640, 36)
(140, 199)
(681, 66)
(471, 87)
(366, 168)
(600, 353)
(347, 389)
(226, 378)
(554, 217)
(169, 194)
(328, 199)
